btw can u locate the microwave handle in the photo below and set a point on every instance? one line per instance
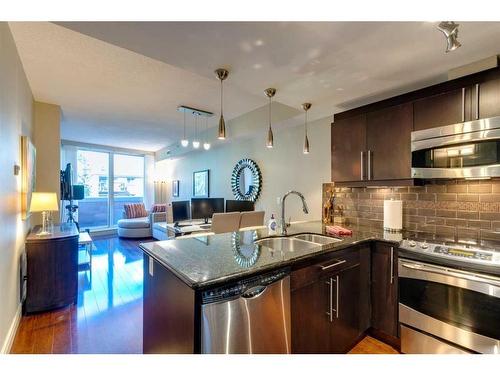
(477, 102)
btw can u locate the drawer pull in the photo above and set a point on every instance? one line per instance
(323, 268)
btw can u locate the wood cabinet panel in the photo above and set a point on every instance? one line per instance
(388, 138)
(384, 289)
(442, 109)
(343, 288)
(347, 143)
(489, 99)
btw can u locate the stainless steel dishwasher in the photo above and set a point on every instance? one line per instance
(250, 316)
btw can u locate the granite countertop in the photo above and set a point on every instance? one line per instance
(212, 259)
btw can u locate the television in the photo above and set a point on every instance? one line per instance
(204, 208)
(180, 211)
(239, 206)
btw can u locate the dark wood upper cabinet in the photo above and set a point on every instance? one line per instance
(384, 289)
(443, 109)
(488, 99)
(388, 136)
(348, 143)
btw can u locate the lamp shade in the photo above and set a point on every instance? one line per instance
(44, 202)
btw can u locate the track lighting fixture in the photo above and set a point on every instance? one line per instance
(222, 75)
(270, 92)
(450, 31)
(306, 107)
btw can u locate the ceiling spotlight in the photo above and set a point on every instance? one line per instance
(306, 107)
(270, 92)
(450, 31)
(222, 75)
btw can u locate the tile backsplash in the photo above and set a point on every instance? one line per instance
(456, 208)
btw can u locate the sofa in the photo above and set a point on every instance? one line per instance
(137, 221)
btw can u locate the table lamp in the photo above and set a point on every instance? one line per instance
(44, 203)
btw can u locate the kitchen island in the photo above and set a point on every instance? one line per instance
(179, 273)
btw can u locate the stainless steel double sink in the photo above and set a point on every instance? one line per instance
(298, 242)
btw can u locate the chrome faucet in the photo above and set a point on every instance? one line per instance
(283, 224)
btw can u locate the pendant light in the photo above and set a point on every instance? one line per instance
(184, 141)
(306, 107)
(206, 145)
(270, 92)
(222, 75)
(196, 142)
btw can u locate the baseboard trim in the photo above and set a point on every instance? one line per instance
(9, 340)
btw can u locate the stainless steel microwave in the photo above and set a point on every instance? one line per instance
(469, 150)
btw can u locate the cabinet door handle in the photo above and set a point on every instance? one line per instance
(362, 166)
(332, 265)
(477, 102)
(337, 306)
(369, 162)
(392, 265)
(330, 306)
(463, 104)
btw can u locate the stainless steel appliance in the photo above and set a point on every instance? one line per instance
(445, 306)
(464, 150)
(250, 316)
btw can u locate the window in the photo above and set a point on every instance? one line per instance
(103, 204)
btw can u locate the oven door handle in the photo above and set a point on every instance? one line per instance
(485, 284)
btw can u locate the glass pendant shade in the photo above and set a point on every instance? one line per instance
(184, 143)
(306, 145)
(196, 144)
(206, 146)
(222, 128)
(270, 138)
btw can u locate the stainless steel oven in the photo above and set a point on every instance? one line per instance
(447, 310)
(465, 150)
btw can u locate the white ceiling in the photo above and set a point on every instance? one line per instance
(119, 83)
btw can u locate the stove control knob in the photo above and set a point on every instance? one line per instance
(412, 243)
(424, 245)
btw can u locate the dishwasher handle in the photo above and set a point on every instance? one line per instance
(254, 292)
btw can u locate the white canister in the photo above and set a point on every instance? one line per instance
(393, 215)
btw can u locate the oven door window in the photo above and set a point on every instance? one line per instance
(458, 156)
(467, 309)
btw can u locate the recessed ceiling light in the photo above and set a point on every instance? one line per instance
(257, 66)
(340, 89)
(259, 42)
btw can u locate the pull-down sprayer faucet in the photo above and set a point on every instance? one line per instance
(283, 224)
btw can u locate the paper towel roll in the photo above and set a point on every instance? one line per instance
(393, 215)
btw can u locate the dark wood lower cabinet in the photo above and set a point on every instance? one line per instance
(331, 307)
(384, 289)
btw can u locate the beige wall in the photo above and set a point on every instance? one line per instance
(47, 140)
(283, 168)
(16, 102)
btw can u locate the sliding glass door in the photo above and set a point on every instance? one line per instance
(128, 182)
(110, 180)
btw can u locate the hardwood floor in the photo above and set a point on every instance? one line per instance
(369, 345)
(108, 315)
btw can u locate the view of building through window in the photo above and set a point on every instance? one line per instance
(95, 173)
